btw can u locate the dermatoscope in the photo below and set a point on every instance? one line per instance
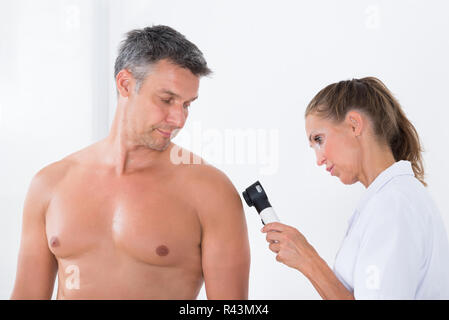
(255, 196)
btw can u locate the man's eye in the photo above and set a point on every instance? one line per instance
(186, 106)
(167, 101)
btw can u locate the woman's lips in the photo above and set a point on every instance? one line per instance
(331, 170)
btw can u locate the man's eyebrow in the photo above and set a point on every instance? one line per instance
(170, 93)
(166, 91)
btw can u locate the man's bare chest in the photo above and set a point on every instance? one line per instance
(148, 221)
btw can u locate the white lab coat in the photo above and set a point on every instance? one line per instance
(396, 245)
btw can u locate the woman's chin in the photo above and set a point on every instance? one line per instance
(347, 181)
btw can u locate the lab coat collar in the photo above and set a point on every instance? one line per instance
(402, 167)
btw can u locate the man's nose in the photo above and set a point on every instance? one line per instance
(177, 116)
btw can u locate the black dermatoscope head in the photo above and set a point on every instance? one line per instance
(255, 196)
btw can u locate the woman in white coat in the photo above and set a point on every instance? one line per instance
(396, 245)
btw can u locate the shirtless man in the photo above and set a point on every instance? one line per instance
(119, 219)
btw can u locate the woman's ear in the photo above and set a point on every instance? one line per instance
(355, 121)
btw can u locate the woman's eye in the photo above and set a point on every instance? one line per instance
(318, 140)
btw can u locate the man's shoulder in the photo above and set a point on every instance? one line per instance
(44, 183)
(204, 179)
(205, 175)
(51, 174)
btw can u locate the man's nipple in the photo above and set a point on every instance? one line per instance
(54, 242)
(162, 251)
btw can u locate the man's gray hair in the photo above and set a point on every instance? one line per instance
(144, 47)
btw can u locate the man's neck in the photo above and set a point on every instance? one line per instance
(123, 152)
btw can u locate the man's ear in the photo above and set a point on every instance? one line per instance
(124, 83)
(355, 121)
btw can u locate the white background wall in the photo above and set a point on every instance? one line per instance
(269, 59)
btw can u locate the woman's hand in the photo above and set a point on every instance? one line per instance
(291, 246)
(294, 251)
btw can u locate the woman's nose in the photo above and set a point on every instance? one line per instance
(320, 158)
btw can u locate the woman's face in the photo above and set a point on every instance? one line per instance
(336, 145)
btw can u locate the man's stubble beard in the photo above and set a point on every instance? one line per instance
(159, 143)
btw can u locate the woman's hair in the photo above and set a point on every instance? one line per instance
(372, 98)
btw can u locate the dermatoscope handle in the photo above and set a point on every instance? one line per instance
(268, 215)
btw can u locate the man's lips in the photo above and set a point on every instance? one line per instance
(164, 133)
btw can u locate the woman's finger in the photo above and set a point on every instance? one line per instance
(274, 247)
(273, 236)
(274, 226)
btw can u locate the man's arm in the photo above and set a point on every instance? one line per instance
(37, 266)
(225, 245)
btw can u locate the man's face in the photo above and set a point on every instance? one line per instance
(160, 109)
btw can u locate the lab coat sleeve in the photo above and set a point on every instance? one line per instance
(391, 250)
